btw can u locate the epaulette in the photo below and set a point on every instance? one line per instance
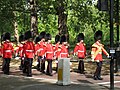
(102, 45)
(77, 44)
(13, 44)
(53, 45)
(15, 48)
(84, 44)
(59, 46)
(2, 42)
(95, 46)
(35, 44)
(44, 45)
(67, 46)
(59, 49)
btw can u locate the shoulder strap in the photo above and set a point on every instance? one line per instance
(98, 50)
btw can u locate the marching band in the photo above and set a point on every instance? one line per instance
(42, 49)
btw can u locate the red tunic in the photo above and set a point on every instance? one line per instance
(40, 48)
(57, 50)
(7, 49)
(16, 49)
(20, 50)
(29, 49)
(36, 48)
(64, 52)
(95, 48)
(80, 50)
(49, 51)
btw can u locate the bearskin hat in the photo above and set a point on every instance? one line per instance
(63, 39)
(28, 35)
(48, 37)
(6, 36)
(37, 39)
(98, 35)
(21, 38)
(42, 35)
(80, 37)
(57, 38)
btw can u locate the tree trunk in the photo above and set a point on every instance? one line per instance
(34, 21)
(16, 35)
(62, 20)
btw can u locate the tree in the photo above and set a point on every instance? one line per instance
(62, 17)
(68, 17)
(7, 14)
(33, 9)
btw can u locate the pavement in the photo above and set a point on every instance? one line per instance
(39, 81)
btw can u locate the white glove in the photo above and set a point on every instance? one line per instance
(74, 54)
(97, 60)
(22, 58)
(92, 60)
(17, 58)
(108, 56)
(56, 61)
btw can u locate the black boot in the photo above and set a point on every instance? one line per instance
(99, 78)
(29, 75)
(38, 67)
(95, 78)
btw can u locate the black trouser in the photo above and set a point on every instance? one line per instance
(28, 66)
(41, 63)
(6, 64)
(49, 66)
(25, 65)
(22, 63)
(3, 64)
(81, 66)
(56, 65)
(98, 69)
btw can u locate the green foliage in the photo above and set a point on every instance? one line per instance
(83, 16)
(7, 17)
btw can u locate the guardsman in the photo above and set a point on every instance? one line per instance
(96, 54)
(29, 52)
(41, 52)
(20, 51)
(7, 51)
(2, 41)
(80, 51)
(36, 51)
(57, 49)
(49, 54)
(64, 47)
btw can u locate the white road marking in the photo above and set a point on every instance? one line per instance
(108, 82)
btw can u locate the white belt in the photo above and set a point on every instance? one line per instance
(49, 52)
(8, 50)
(29, 50)
(80, 51)
(63, 53)
(40, 49)
(100, 53)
